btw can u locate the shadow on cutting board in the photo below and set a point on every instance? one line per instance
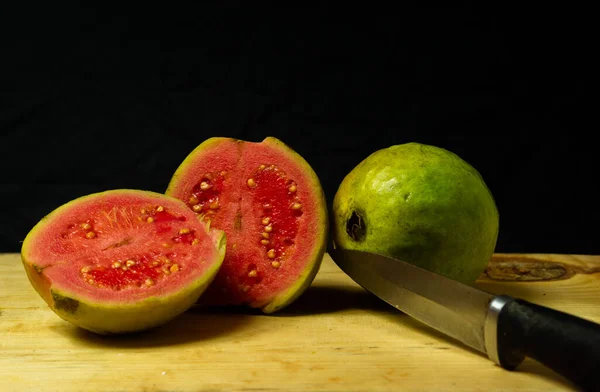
(331, 299)
(193, 325)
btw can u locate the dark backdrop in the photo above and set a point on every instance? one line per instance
(100, 100)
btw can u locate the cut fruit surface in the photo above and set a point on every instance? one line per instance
(122, 260)
(270, 203)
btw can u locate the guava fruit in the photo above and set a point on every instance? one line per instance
(422, 204)
(270, 203)
(122, 260)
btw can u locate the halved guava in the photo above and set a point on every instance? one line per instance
(122, 260)
(270, 202)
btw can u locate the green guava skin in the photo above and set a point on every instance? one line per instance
(422, 204)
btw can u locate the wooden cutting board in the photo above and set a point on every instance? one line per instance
(336, 337)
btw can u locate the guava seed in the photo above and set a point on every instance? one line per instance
(205, 185)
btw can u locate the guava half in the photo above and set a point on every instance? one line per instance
(422, 204)
(122, 260)
(270, 202)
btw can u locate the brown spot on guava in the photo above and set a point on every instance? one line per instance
(64, 303)
(355, 226)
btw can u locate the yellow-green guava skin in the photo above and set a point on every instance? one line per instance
(422, 204)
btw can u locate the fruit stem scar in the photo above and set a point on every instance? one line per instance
(355, 227)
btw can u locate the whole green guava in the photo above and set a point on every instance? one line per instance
(422, 204)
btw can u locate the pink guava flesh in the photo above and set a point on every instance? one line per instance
(121, 247)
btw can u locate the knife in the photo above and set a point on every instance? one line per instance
(504, 328)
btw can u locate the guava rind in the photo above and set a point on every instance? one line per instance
(422, 204)
(313, 257)
(113, 317)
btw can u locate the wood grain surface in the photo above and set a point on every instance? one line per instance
(336, 337)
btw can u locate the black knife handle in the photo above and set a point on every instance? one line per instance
(567, 344)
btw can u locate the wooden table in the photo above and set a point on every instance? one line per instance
(336, 337)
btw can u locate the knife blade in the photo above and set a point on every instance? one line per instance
(505, 328)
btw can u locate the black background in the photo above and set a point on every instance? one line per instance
(94, 100)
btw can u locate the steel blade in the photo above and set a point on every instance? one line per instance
(453, 308)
